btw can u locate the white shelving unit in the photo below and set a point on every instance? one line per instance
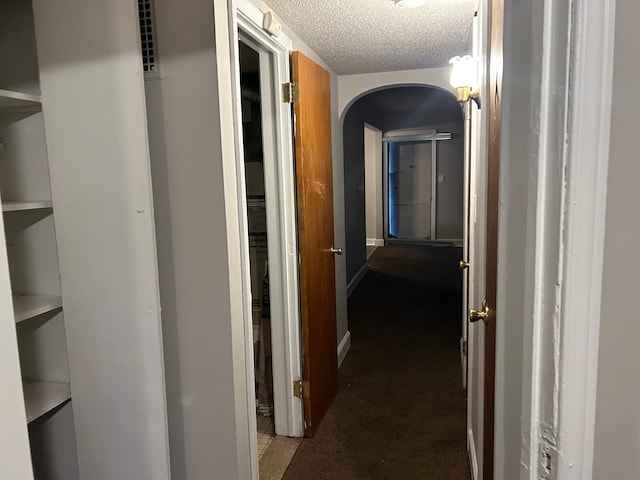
(20, 100)
(15, 206)
(79, 298)
(42, 397)
(30, 306)
(31, 250)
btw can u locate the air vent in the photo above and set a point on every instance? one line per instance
(145, 12)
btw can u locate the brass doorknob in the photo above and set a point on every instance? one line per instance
(463, 264)
(336, 251)
(475, 315)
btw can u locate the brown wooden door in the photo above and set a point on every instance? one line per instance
(494, 105)
(315, 237)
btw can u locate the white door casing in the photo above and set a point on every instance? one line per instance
(281, 224)
(465, 245)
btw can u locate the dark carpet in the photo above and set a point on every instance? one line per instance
(400, 410)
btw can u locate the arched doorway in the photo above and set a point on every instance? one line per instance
(402, 111)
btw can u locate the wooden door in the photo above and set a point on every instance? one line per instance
(315, 237)
(494, 105)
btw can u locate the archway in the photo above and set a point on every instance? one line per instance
(396, 108)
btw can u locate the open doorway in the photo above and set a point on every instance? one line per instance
(266, 202)
(258, 236)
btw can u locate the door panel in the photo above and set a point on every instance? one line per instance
(483, 235)
(315, 237)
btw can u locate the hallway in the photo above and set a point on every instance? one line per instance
(400, 410)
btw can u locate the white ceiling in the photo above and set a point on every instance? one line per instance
(366, 36)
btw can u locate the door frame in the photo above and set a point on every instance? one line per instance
(466, 239)
(567, 290)
(563, 260)
(246, 24)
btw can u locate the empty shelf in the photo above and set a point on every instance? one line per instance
(42, 397)
(29, 306)
(14, 206)
(9, 99)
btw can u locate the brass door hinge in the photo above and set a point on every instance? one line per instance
(301, 389)
(290, 92)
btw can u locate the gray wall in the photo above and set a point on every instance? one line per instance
(375, 110)
(617, 432)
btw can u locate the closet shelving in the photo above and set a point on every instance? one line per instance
(19, 100)
(80, 318)
(16, 206)
(29, 222)
(26, 307)
(42, 397)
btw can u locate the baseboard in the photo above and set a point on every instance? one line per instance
(456, 242)
(375, 242)
(351, 286)
(473, 456)
(343, 347)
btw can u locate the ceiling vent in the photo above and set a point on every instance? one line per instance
(147, 36)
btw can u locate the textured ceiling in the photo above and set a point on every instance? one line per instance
(366, 36)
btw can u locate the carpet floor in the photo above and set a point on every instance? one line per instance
(400, 409)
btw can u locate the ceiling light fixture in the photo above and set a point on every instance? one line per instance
(464, 78)
(409, 3)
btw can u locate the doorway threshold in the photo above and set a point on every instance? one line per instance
(276, 459)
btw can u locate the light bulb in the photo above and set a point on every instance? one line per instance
(464, 72)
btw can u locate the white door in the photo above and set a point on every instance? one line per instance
(477, 262)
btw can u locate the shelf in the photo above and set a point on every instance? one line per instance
(9, 99)
(40, 398)
(29, 306)
(21, 206)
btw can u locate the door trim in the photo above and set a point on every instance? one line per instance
(246, 20)
(563, 264)
(281, 222)
(580, 241)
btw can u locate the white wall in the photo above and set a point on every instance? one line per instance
(94, 111)
(617, 430)
(352, 87)
(208, 428)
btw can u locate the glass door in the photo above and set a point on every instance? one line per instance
(410, 190)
